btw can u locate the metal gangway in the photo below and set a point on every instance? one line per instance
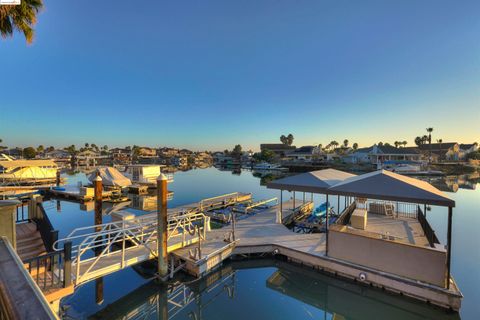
(99, 250)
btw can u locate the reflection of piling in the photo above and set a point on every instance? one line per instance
(162, 225)
(59, 206)
(99, 291)
(162, 306)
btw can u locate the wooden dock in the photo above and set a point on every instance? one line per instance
(73, 193)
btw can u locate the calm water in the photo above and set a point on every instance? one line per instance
(266, 289)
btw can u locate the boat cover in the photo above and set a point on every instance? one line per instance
(111, 177)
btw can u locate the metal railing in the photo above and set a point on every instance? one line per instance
(51, 270)
(398, 209)
(223, 200)
(45, 227)
(94, 243)
(427, 229)
(21, 213)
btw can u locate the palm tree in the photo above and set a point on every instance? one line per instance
(290, 139)
(429, 130)
(20, 17)
(345, 143)
(396, 143)
(283, 139)
(404, 143)
(355, 146)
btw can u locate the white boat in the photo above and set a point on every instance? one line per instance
(404, 167)
(26, 172)
(146, 174)
(110, 177)
(268, 166)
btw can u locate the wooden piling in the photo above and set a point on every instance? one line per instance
(98, 185)
(58, 178)
(162, 225)
(98, 200)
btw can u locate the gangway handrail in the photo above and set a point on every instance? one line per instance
(137, 232)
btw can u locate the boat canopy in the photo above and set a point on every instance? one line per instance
(111, 177)
(315, 181)
(7, 164)
(386, 185)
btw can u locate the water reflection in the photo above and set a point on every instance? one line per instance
(167, 301)
(221, 295)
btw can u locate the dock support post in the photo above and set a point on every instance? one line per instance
(98, 185)
(98, 201)
(162, 225)
(58, 178)
(303, 198)
(294, 200)
(326, 228)
(449, 244)
(67, 264)
(281, 201)
(338, 205)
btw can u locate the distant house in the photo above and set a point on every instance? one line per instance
(468, 148)
(441, 151)
(121, 154)
(147, 152)
(378, 154)
(279, 149)
(305, 153)
(450, 151)
(57, 154)
(168, 152)
(87, 158)
(15, 152)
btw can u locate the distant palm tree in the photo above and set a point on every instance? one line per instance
(404, 143)
(396, 143)
(20, 17)
(429, 130)
(355, 146)
(345, 143)
(290, 139)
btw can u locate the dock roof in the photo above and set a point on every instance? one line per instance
(315, 181)
(386, 185)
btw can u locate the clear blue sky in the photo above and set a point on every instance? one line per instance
(211, 74)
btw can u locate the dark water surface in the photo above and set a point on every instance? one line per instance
(266, 289)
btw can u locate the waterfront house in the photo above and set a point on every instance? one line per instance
(305, 153)
(15, 152)
(441, 151)
(87, 157)
(279, 149)
(121, 155)
(465, 149)
(378, 154)
(146, 152)
(448, 151)
(57, 154)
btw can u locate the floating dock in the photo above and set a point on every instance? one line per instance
(263, 234)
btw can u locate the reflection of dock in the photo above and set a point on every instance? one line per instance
(347, 300)
(147, 301)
